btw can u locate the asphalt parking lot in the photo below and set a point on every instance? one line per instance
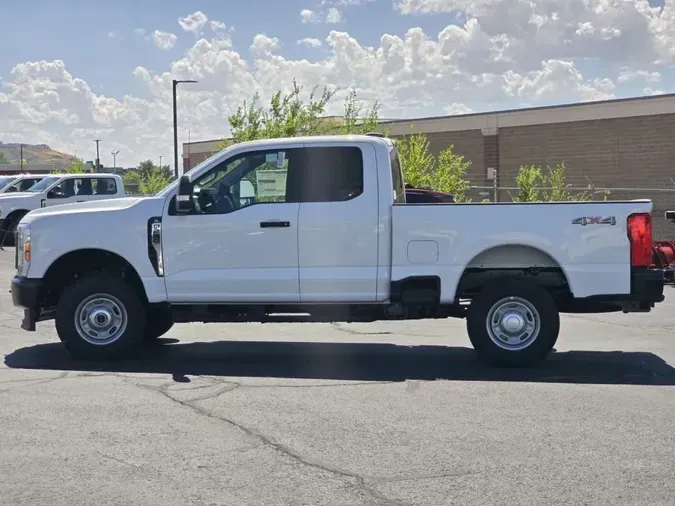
(319, 414)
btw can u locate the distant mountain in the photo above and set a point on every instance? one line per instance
(33, 154)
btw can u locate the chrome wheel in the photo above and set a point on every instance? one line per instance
(100, 319)
(513, 323)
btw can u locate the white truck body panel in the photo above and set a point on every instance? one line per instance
(338, 242)
(337, 252)
(446, 239)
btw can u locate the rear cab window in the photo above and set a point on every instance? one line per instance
(104, 186)
(330, 174)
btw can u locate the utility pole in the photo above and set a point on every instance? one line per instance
(160, 162)
(175, 125)
(114, 154)
(20, 157)
(97, 163)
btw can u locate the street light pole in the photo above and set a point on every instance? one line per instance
(114, 154)
(160, 162)
(175, 125)
(98, 158)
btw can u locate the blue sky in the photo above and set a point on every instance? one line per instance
(76, 31)
(74, 61)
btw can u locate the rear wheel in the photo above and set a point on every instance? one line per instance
(513, 323)
(100, 318)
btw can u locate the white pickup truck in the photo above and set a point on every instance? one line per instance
(54, 190)
(323, 229)
(19, 183)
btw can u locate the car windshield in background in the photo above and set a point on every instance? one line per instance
(4, 181)
(43, 185)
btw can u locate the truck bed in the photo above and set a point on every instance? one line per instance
(588, 241)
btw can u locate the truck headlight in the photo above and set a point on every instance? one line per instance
(23, 249)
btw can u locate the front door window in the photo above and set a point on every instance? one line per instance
(250, 179)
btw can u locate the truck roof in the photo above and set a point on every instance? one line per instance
(86, 175)
(318, 139)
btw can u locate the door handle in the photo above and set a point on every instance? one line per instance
(275, 224)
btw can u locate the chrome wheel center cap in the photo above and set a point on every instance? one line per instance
(512, 322)
(100, 318)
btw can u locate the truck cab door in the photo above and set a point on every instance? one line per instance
(339, 224)
(62, 193)
(240, 244)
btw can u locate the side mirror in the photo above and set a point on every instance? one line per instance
(184, 198)
(50, 194)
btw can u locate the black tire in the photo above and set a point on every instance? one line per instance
(10, 228)
(159, 321)
(118, 294)
(518, 349)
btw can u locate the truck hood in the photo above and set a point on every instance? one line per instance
(17, 195)
(83, 207)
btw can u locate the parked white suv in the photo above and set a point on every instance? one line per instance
(320, 225)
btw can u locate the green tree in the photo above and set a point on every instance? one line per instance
(529, 182)
(131, 177)
(417, 162)
(76, 166)
(447, 173)
(3, 158)
(153, 183)
(146, 168)
(450, 174)
(536, 185)
(150, 178)
(288, 115)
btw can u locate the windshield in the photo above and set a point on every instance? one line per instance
(4, 181)
(43, 185)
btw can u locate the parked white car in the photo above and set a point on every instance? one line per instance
(57, 190)
(320, 225)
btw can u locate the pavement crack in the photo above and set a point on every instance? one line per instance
(362, 483)
(399, 479)
(327, 385)
(120, 461)
(340, 328)
(31, 382)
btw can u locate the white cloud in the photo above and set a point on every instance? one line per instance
(113, 35)
(455, 109)
(193, 22)
(139, 31)
(492, 60)
(307, 15)
(164, 40)
(333, 16)
(631, 75)
(609, 30)
(310, 42)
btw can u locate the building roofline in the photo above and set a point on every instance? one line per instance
(536, 108)
(490, 122)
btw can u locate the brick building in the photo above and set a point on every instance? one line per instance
(625, 146)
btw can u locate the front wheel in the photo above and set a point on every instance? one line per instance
(513, 323)
(100, 318)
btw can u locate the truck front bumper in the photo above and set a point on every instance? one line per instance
(25, 294)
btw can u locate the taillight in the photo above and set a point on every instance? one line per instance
(640, 236)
